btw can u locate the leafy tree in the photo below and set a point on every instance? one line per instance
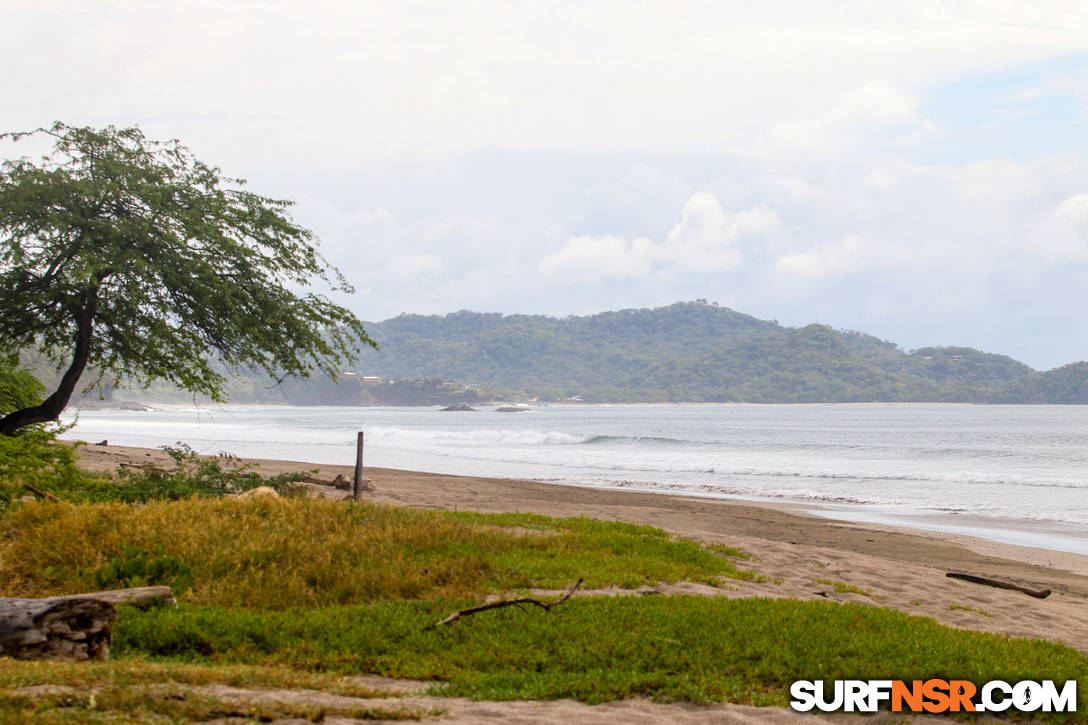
(18, 387)
(134, 256)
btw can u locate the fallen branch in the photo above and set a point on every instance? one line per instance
(1037, 593)
(340, 482)
(546, 606)
(40, 493)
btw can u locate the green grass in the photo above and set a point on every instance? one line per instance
(596, 649)
(283, 553)
(299, 593)
(844, 588)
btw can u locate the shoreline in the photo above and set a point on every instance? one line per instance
(1047, 529)
(798, 554)
(1017, 516)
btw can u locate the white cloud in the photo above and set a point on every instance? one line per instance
(870, 104)
(586, 259)
(875, 102)
(706, 237)
(460, 234)
(1063, 235)
(492, 154)
(367, 79)
(344, 232)
(411, 267)
(704, 240)
(853, 253)
(1073, 211)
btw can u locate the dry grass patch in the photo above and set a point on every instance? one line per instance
(281, 553)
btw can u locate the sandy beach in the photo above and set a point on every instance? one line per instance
(899, 569)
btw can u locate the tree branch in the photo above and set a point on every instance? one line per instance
(546, 606)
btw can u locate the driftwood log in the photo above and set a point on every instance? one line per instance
(975, 579)
(341, 482)
(139, 597)
(78, 627)
(546, 606)
(56, 628)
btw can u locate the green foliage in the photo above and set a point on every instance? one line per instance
(195, 475)
(18, 387)
(138, 568)
(594, 649)
(134, 256)
(538, 354)
(35, 457)
(1066, 385)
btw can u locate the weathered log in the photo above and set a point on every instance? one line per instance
(78, 626)
(546, 606)
(56, 628)
(1037, 593)
(139, 597)
(341, 482)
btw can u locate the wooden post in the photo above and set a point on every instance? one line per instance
(357, 489)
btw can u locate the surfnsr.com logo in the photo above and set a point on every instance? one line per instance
(933, 696)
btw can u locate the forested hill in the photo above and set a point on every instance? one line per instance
(695, 352)
(550, 357)
(686, 352)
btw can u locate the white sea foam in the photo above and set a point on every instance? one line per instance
(1006, 463)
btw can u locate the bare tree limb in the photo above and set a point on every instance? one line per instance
(546, 606)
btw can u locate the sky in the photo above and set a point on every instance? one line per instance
(914, 170)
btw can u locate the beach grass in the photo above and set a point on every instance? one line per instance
(595, 649)
(300, 593)
(844, 588)
(284, 553)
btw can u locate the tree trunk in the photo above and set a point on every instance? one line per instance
(56, 628)
(51, 407)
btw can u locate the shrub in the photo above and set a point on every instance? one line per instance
(194, 475)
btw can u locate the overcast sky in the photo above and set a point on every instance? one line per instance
(916, 170)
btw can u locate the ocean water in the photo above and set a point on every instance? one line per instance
(1010, 473)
